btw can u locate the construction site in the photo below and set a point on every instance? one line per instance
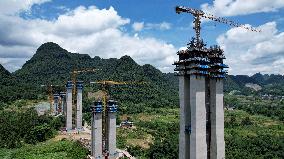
(100, 137)
(201, 72)
(116, 108)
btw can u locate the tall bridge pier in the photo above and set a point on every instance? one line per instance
(97, 129)
(111, 129)
(79, 86)
(62, 103)
(69, 87)
(104, 130)
(55, 104)
(201, 73)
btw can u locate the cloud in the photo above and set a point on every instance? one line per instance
(159, 26)
(63, 8)
(251, 52)
(13, 63)
(138, 26)
(241, 7)
(10, 7)
(98, 32)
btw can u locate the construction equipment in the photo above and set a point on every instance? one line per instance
(106, 84)
(109, 107)
(75, 73)
(75, 83)
(50, 97)
(201, 72)
(50, 91)
(198, 14)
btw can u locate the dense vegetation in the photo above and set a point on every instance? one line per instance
(51, 149)
(253, 136)
(247, 136)
(253, 130)
(25, 134)
(12, 88)
(256, 105)
(270, 84)
(21, 126)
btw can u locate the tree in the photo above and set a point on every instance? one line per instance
(246, 121)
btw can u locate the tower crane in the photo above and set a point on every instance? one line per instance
(105, 85)
(75, 73)
(50, 97)
(50, 94)
(198, 14)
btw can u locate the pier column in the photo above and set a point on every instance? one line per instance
(185, 118)
(198, 146)
(79, 86)
(97, 146)
(69, 87)
(192, 139)
(55, 104)
(217, 145)
(63, 102)
(111, 125)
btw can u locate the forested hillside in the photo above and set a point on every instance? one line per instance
(12, 88)
(4, 72)
(270, 84)
(52, 64)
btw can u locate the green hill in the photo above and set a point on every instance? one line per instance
(4, 72)
(12, 88)
(52, 64)
(270, 84)
(5, 77)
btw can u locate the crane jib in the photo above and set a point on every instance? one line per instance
(198, 13)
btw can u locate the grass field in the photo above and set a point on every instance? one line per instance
(46, 150)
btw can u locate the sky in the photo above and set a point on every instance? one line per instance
(149, 31)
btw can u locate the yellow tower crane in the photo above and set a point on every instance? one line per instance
(198, 14)
(50, 95)
(104, 85)
(75, 73)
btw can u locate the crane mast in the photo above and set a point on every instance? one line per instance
(107, 128)
(74, 74)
